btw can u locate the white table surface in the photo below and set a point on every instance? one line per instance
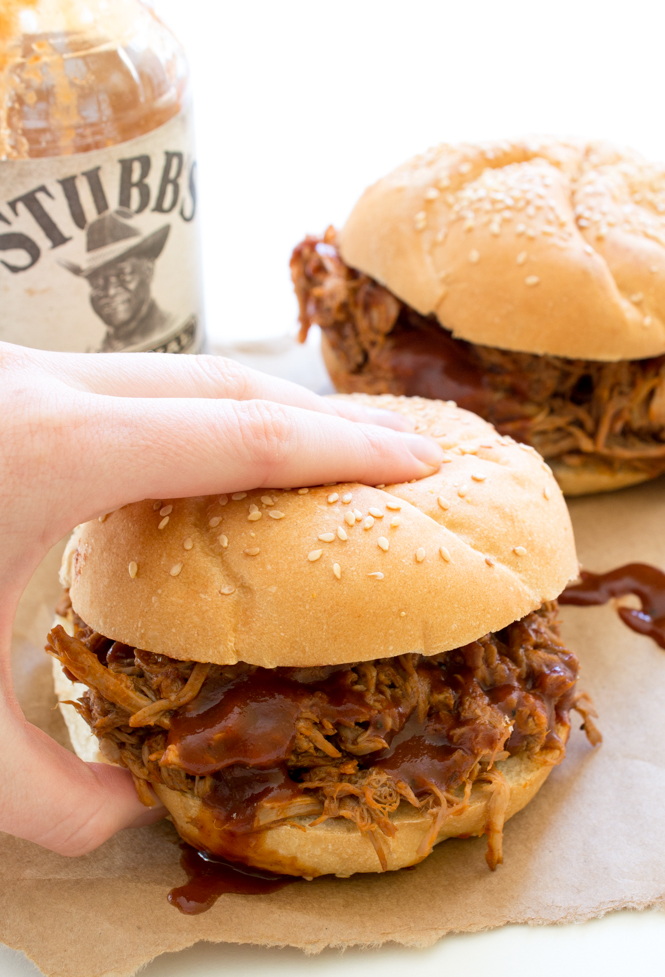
(300, 104)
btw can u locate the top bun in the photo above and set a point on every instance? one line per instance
(541, 246)
(279, 577)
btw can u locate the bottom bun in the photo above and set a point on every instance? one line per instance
(588, 476)
(338, 847)
(591, 476)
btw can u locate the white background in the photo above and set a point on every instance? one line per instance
(300, 104)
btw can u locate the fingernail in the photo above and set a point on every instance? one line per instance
(389, 418)
(426, 450)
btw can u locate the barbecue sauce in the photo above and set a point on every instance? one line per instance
(242, 730)
(98, 229)
(640, 579)
(209, 878)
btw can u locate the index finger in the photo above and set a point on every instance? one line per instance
(209, 377)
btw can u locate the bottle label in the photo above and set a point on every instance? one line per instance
(99, 251)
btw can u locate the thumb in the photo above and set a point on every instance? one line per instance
(53, 798)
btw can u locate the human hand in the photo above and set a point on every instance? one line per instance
(85, 434)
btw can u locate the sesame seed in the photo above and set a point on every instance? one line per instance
(133, 569)
(521, 257)
(520, 229)
(381, 486)
(254, 516)
(588, 249)
(350, 518)
(368, 523)
(420, 554)
(444, 553)
(495, 228)
(479, 478)
(164, 522)
(253, 508)
(237, 496)
(443, 502)
(465, 167)
(637, 297)
(333, 497)
(187, 543)
(303, 491)
(341, 532)
(531, 280)
(420, 220)
(383, 543)
(337, 570)
(402, 613)
(489, 561)
(227, 590)
(519, 550)
(474, 256)
(376, 513)
(103, 517)
(377, 575)
(175, 569)
(647, 320)
(393, 505)
(156, 506)
(546, 492)
(267, 500)
(314, 555)
(530, 232)
(166, 511)
(252, 551)
(394, 522)
(358, 514)
(347, 498)
(431, 193)
(224, 540)
(462, 490)
(327, 537)
(276, 514)
(215, 521)
(223, 499)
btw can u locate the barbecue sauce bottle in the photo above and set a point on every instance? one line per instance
(98, 209)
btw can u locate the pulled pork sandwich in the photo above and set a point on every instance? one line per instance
(525, 281)
(332, 679)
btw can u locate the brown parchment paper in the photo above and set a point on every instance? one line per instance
(592, 841)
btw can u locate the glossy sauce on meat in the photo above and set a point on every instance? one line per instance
(255, 748)
(243, 730)
(640, 579)
(208, 878)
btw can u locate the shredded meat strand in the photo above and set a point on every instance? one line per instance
(504, 695)
(567, 409)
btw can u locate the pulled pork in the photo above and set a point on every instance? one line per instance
(351, 741)
(567, 409)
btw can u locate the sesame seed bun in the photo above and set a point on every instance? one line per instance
(335, 847)
(587, 476)
(275, 577)
(540, 246)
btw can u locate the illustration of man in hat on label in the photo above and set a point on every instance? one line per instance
(119, 270)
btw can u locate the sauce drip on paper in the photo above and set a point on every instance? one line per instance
(640, 579)
(209, 878)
